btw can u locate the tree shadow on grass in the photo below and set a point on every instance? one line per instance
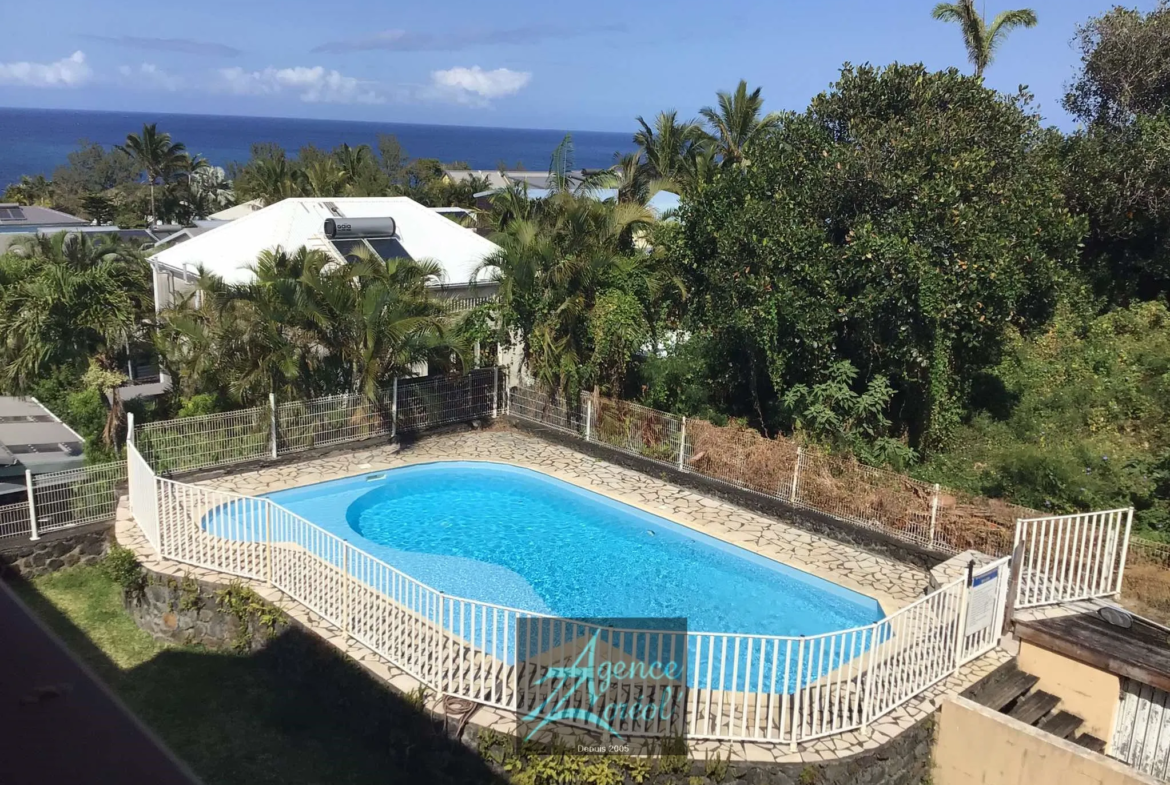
(295, 712)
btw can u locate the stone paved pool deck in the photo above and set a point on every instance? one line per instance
(891, 583)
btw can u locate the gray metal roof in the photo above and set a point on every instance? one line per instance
(32, 436)
(29, 215)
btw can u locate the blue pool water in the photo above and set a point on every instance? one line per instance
(515, 537)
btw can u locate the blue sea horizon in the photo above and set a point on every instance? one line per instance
(37, 141)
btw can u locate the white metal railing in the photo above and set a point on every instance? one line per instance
(90, 494)
(1064, 558)
(783, 690)
(14, 520)
(77, 496)
(907, 509)
(142, 493)
(62, 500)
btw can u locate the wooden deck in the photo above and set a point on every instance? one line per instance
(1141, 652)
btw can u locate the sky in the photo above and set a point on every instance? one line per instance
(509, 63)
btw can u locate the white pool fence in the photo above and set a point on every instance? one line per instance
(1065, 558)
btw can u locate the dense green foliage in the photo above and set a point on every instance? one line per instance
(902, 224)
(1076, 418)
(305, 327)
(271, 175)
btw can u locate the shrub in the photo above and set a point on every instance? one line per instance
(123, 568)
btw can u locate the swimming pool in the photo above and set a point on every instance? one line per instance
(514, 537)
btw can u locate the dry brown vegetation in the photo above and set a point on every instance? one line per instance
(847, 489)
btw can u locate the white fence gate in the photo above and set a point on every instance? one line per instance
(986, 608)
(1141, 736)
(1065, 558)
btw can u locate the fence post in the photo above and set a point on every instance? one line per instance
(130, 427)
(589, 420)
(345, 596)
(272, 421)
(682, 444)
(933, 513)
(964, 601)
(440, 682)
(796, 474)
(32, 506)
(394, 409)
(268, 541)
(495, 391)
(1124, 551)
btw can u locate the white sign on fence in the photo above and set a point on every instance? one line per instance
(981, 600)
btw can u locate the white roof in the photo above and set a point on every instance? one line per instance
(238, 211)
(231, 249)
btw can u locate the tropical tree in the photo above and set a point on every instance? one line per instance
(982, 40)
(559, 271)
(383, 319)
(669, 146)
(270, 177)
(307, 325)
(909, 272)
(67, 300)
(156, 155)
(30, 190)
(736, 124)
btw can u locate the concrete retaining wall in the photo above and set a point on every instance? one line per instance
(977, 745)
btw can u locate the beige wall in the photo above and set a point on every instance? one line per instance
(1085, 691)
(978, 746)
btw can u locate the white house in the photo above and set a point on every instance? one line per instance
(391, 227)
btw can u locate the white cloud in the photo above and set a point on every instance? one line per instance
(477, 86)
(70, 71)
(314, 85)
(149, 76)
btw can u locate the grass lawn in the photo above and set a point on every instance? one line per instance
(295, 712)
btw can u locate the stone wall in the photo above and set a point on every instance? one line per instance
(56, 550)
(903, 760)
(188, 611)
(869, 540)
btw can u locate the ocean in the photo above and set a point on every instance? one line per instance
(36, 141)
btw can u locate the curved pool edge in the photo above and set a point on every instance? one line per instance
(886, 604)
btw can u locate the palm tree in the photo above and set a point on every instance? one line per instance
(271, 179)
(982, 40)
(156, 155)
(306, 325)
(552, 268)
(737, 123)
(68, 300)
(383, 318)
(668, 146)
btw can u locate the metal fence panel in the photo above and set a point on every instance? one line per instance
(78, 496)
(14, 520)
(143, 495)
(1072, 557)
(434, 401)
(913, 511)
(207, 441)
(321, 422)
